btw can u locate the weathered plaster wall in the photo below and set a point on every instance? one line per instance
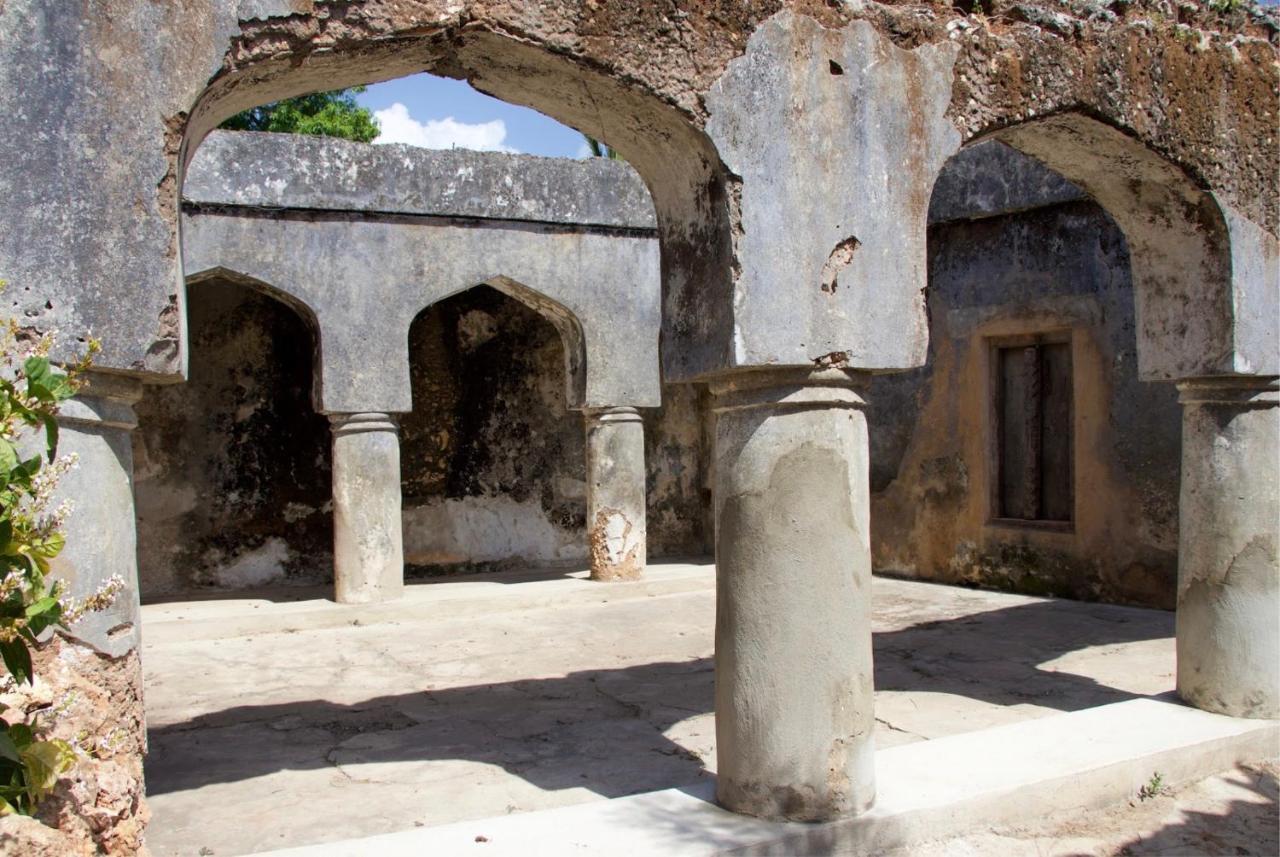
(494, 464)
(232, 478)
(1057, 267)
(327, 223)
(233, 466)
(123, 99)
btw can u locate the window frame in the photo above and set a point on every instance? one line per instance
(994, 345)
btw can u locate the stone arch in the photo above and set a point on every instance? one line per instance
(301, 308)
(232, 474)
(285, 57)
(561, 317)
(1021, 257)
(492, 455)
(1200, 270)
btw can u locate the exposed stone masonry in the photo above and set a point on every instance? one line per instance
(768, 134)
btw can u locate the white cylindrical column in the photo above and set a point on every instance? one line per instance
(615, 493)
(368, 546)
(1228, 620)
(794, 686)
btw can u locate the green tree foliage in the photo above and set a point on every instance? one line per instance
(323, 114)
(600, 150)
(31, 390)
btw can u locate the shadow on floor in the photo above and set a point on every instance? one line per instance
(596, 729)
(996, 656)
(589, 728)
(1246, 827)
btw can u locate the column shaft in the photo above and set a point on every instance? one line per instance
(1228, 620)
(101, 530)
(794, 688)
(368, 546)
(615, 493)
(93, 671)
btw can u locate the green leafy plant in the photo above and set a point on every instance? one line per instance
(600, 150)
(323, 114)
(1154, 787)
(31, 390)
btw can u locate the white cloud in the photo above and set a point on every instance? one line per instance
(584, 151)
(399, 127)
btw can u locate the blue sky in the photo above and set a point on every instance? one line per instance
(441, 113)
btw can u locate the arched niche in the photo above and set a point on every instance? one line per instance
(677, 161)
(232, 477)
(558, 315)
(1200, 270)
(217, 273)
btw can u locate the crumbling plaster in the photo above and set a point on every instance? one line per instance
(638, 77)
(1015, 249)
(363, 265)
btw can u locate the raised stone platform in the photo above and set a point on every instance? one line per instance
(927, 790)
(286, 720)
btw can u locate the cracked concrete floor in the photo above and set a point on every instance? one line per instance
(282, 721)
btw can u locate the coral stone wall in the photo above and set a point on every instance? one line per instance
(231, 469)
(95, 703)
(1059, 268)
(233, 466)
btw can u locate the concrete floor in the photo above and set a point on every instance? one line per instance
(282, 721)
(1234, 813)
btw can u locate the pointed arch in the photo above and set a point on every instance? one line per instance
(218, 273)
(268, 60)
(563, 319)
(1200, 270)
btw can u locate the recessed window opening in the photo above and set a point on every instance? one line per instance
(1032, 387)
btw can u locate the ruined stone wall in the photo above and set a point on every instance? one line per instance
(493, 460)
(232, 478)
(1065, 266)
(233, 467)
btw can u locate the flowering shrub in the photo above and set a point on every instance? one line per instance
(31, 390)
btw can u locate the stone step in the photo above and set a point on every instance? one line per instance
(928, 790)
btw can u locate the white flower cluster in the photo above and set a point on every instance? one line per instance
(73, 611)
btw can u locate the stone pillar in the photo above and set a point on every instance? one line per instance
(101, 531)
(1228, 619)
(615, 493)
(368, 546)
(93, 670)
(794, 687)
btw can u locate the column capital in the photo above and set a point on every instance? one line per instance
(1249, 391)
(106, 401)
(789, 388)
(357, 423)
(617, 414)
